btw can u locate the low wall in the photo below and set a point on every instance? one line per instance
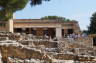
(46, 44)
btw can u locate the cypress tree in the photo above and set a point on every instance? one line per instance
(92, 27)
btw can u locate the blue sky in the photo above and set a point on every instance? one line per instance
(80, 10)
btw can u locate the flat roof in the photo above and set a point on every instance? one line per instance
(43, 21)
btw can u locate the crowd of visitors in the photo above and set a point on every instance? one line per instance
(74, 35)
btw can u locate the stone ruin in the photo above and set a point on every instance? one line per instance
(27, 48)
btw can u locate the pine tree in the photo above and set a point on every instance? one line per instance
(8, 7)
(37, 2)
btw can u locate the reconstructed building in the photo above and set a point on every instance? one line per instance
(41, 27)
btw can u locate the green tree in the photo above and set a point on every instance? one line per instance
(36, 2)
(52, 17)
(92, 27)
(59, 18)
(85, 31)
(8, 7)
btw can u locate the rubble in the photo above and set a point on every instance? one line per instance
(27, 48)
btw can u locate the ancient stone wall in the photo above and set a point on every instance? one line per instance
(77, 46)
(86, 40)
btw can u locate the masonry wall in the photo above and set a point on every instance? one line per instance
(78, 46)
